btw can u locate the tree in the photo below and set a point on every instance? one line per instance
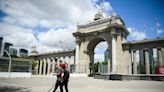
(96, 67)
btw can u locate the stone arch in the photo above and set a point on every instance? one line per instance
(91, 47)
(111, 30)
(93, 42)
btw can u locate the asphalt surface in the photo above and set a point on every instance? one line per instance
(79, 84)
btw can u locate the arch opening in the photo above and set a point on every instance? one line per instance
(99, 55)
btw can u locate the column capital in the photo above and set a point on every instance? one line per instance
(159, 48)
(113, 31)
(88, 52)
(134, 50)
(78, 40)
(145, 49)
(119, 33)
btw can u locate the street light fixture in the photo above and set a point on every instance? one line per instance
(9, 70)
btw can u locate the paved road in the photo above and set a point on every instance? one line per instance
(83, 84)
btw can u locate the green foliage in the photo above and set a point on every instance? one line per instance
(96, 66)
(34, 64)
(20, 66)
(104, 63)
(141, 68)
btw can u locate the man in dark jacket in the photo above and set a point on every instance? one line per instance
(65, 79)
(59, 78)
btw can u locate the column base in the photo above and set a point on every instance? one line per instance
(122, 77)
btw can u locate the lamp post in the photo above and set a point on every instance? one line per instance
(9, 70)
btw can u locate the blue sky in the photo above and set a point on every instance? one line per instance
(135, 12)
(45, 24)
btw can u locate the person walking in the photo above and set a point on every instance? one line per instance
(65, 78)
(59, 71)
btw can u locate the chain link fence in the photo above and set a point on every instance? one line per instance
(17, 65)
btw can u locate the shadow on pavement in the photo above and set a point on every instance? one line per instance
(13, 89)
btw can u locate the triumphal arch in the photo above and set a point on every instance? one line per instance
(110, 29)
(125, 58)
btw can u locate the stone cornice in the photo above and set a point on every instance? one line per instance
(144, 41)
(118, 27)
(144, 44)
(101, 21)
(78, 34)
(56, 52)
(97, 22)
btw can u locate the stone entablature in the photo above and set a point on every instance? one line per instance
(64, 53)
(100, 24)
(144, 44)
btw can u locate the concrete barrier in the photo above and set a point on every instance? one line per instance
(54, 75)
(130, 77)
(15, 74)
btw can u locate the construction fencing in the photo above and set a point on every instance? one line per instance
(17, 65)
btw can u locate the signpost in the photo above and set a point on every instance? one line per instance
(9, 70)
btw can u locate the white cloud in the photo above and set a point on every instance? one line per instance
(136, 35)
(24, 16)
(107, 7)
(57, 39)
(99, 51)
(98, 57)
(160, 31)
(20, 37)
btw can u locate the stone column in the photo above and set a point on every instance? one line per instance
(131, 54)
(92, 60)
(44, 67)
(147, 64)
(114, 63)
(77, 57)
(159, 57)
(37, 67)
(53, 64)
(58, 61)
(141, 61)
(49, 66)
(40, 67)
(134, 62)
(109, 67)
(162, 56)
(109, 62)
(69, 62)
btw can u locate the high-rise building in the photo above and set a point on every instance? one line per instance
(13, 52)
(7, 48)
(106, 55)
(23, 52)
(1, 45)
